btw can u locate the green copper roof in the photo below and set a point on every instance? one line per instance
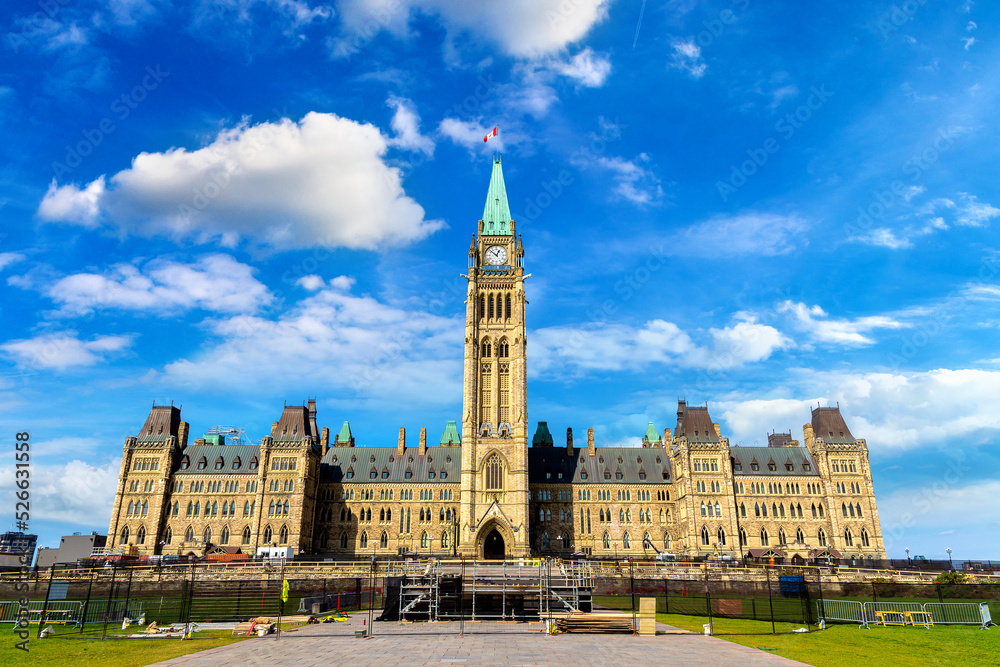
(451, 435)
(345, 433)
(542, 436)
(651, 434)
(496, 213)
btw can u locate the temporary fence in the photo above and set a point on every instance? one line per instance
(927, 614)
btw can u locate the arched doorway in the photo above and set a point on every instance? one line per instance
(493, 546)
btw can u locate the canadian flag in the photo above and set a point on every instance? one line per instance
(491, 134)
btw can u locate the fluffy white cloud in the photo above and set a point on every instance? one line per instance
(465, 133)
(586, 68)
(633, 182)
(74, 492)
(686, 56)
(64, 350)
(614, 347)
(310, 282)
(883, 238)
(821, 329)
(892, 411)
(357, 345)
(975, 213)
(321, 181)
(212, 282)
(406, 124)
(749, 233)
(523, 28)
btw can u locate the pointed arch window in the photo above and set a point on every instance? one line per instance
(494, 473)
(268, 534)
(743, 510)
(363, 542)
(545, 540)
(721, 534)
(508, 305)
(482, 306)
(763, 537)
(858, 506)
(704, 536)
(207, 535)
(383, 540)
(626, 541)
(821, 536)
(140, 536)
(864, 537)
(246, 535)
(425, 539)
(781, 537)
(343, 540)
(606, 540)
(224, 537)
(743, 537)
(848, 538)
(169, 535)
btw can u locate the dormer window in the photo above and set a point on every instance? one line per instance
(430, 474)
(408, 474)
(185, 463)
(219, 463)
(583, 475)
(618, 474)
(754, 466)
(444, 474)
(772, 467)
(385, 473)
(202, 463)
(373, 474)
(350, 473)
(806, 466)
(253, 463)
(607, 474)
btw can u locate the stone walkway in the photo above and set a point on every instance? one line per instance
(411, 645)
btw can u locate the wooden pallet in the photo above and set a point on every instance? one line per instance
(599, 623)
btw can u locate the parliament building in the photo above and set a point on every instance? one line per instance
(495, 486)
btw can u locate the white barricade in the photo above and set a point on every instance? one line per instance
(847, 611)
(960, 613)
(903, 613)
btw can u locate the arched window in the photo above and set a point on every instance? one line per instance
(388, 514)
(763, 509)
(821, 536)
(286, 509)
(123, 538)
(207, 535)
(425, 539)
(246, 535)
(743, 510)
(482, 306)
(168, 535)
(128, 512)
(743, 537)
(508, 304)
(197, 508)
(820, 508)
(343, 540)
(607, 540)
(774, 510)
(781, 537)
(381, 514)
(704, 536)
(383, 540)
(224, 537)
(189, 534)
(864, 537)
(268, 534)
(364, 540)
(666, 541)
(721, 534)
(491, 307)
(858, 506)
(140, 536)
(545, 540)
(763, 537)
(718, 509)
(756, 509)
(626, 541)
(848, 538)
(647, 541)
(703, 512)
(494, 473)
(799, 536)
(487, 350)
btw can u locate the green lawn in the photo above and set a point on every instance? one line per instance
(847, 645)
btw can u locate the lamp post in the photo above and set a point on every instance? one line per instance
(950, 562)
(828, 547)
(907, 550)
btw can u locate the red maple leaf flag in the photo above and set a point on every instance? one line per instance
(491, 134)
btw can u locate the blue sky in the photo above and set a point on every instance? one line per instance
(230, 204)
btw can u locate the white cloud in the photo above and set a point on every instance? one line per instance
(975, 213)
(310, 282)
(9, 258)
(892, 411)
(821, 329)
(357, 345)
(322, 181)
(749, 233)
(883, 238)
(64, 350)
(687, 56)
(465, 133)
(633, 182)
(521, 28)
(586, 68)
(212, 282)
(74, 492)
(968, 42)
(68, 203)
(614, 347)
(406, 124)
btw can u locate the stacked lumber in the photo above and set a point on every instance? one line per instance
(647, 617)
(594, 623)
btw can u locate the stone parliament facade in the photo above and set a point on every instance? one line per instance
(483, 491)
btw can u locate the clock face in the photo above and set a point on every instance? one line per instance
(496, 255)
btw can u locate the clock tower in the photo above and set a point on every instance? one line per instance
(494, 512)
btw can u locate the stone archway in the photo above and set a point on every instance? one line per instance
(493, 546)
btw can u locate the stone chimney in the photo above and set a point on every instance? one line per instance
(666, 438)
(423, 441)
(401, 444)
(324, 440)
(274, 429)
(591, 448)
(718, 432)
(808, 436)
(182, 434)
(569, 441)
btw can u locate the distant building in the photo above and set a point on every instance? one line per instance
(47, 556)
(71, 549)
(18, 543)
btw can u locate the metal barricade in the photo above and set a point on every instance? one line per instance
(880, 612)
(847, 611)
(960, 613)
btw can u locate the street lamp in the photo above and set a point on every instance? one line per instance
(907, 550)
(950, 562)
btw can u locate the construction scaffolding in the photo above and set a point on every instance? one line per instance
(522, 590)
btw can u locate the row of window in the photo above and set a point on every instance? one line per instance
(407, 474)
(281, 485)
(224, 537)
(702, 487)
(772, 466)
(855, 487)
(492, 306)
(220, 463)
(283, 463)
(147, 486)
(703, 465)
(844, 466)
(214, 486)
(778, 510)
(146, 464)
(212, 508)
(774, 488)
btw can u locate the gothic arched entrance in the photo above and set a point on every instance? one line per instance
(493, 546)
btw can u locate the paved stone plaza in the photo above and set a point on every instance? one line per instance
(411, 645)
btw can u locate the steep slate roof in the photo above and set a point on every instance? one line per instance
(163, 421)
(651, 434)
(695, 424)
(545, 464)
(779, 439)
(542, 436)
(229, 454)
(496, 213)
(345, 433)
(293, 425)
(450, 435)
(829, 424)
(338, 460)
(781, 456)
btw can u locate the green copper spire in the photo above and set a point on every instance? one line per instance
(651, 434)
(451, 436)
(496, 213)
(345, 438)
